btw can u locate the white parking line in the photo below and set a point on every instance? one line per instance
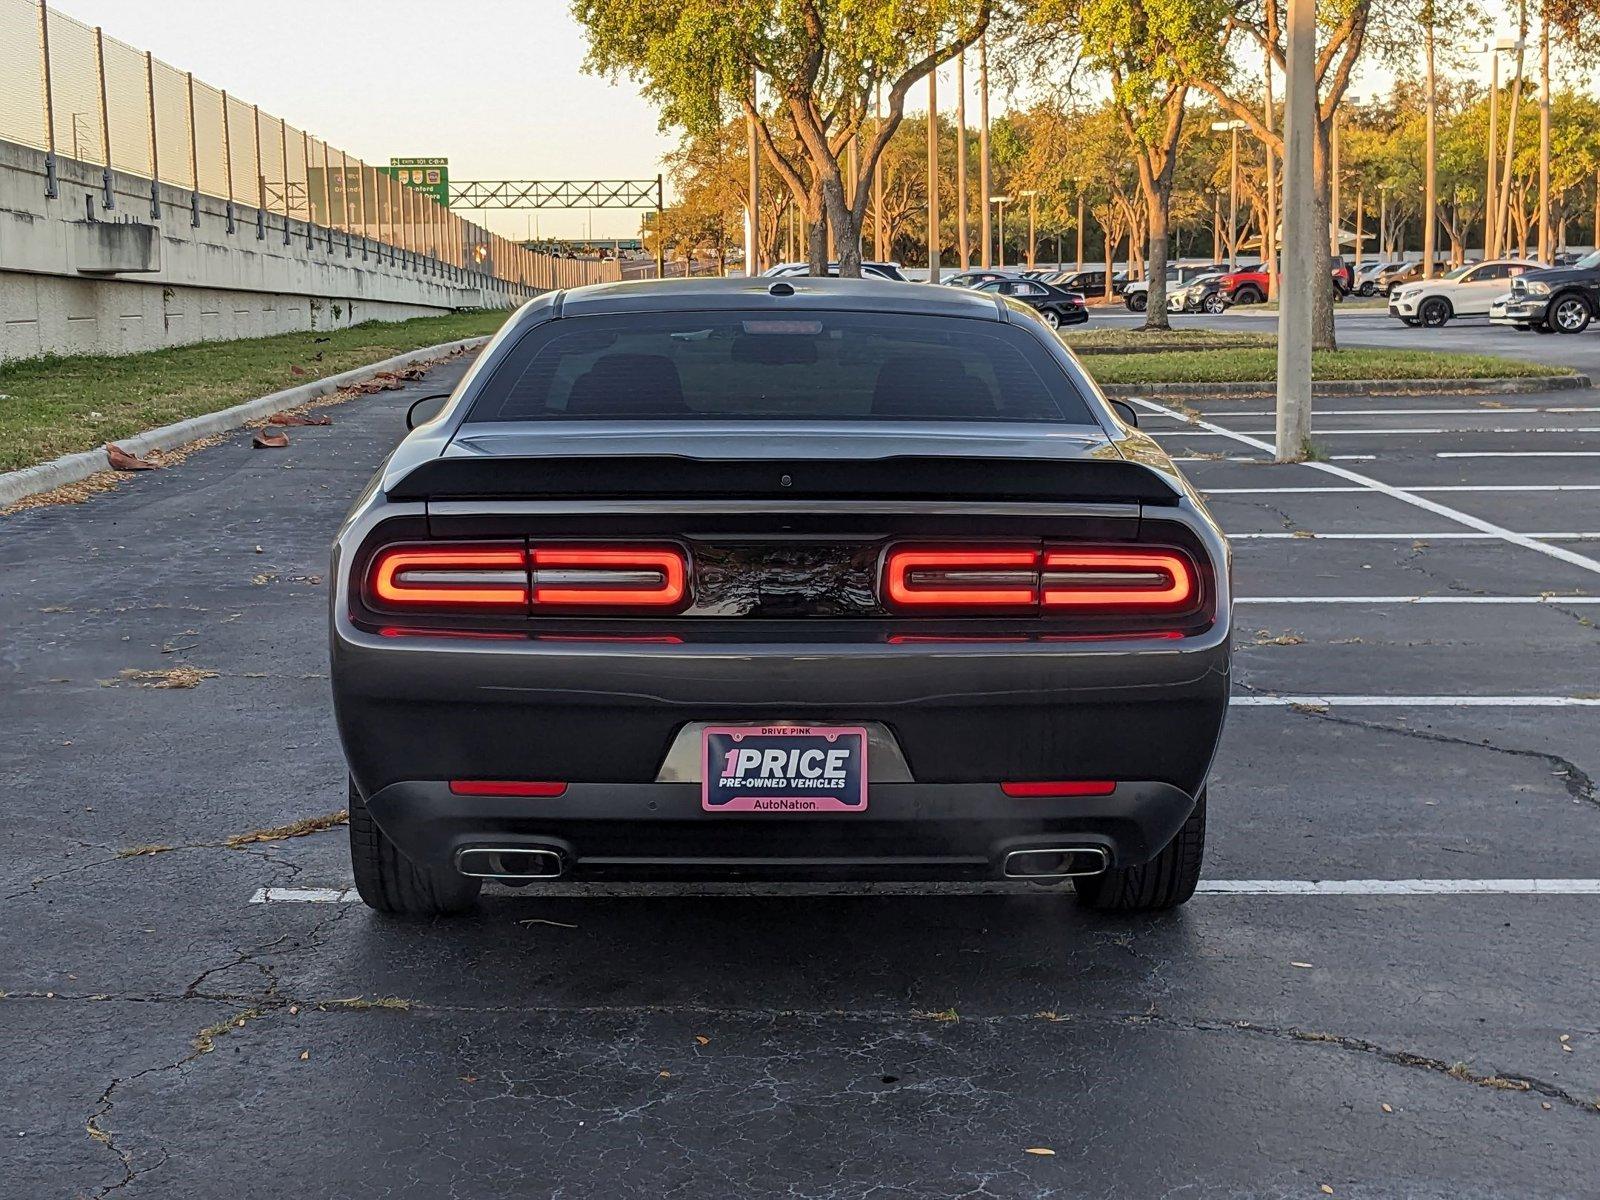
(1410, 496)
(1399, 887)
(1541, 599)
(1311, 700)
(1221, 432)
(1435, 536)
(1455, 487)
(1498, 410)
(1208, 887)
(1513, 454)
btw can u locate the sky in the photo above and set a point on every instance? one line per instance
(497, 86)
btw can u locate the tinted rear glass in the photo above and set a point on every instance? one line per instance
(777, 366)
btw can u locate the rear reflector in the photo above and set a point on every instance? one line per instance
(459, 576)
(986, 578)
(609, 576)
(1059, 787)
(505, 787)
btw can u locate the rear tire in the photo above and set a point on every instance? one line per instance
(1164, 882)
(1137, 301)
(391, 883)
(1248, 294)
(1052, 318)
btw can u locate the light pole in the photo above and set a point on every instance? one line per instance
(1304, 258)
(1491, 223)
(983, 145)
(1000, 224)
(1383, 219)
(933, 175)
(963, 241)
(1030, 193)
(1080, 219)
(1231, 128)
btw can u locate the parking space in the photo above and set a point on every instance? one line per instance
(1416, 708)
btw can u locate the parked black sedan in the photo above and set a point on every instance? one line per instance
(1056, 305)
(788, 578)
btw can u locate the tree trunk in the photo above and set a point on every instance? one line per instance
(846, 225)
(816, 237)
(1322, 335)
(1159, 204)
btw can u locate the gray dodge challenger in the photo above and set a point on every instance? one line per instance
(778, 579)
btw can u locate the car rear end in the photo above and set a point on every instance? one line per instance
(634, 637)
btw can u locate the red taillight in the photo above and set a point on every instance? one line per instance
(1119, 580)
(458, 577)
(506, 787)
(975, 578)
(508, 578)
(609, 576)
(1059, 787)
(1090, 580)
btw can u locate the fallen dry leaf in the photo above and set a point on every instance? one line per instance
(1326, 1190)
(1045, 1151)
(294, 418)
(301, 828)
(1302, 966)
(1387, 1109)
(304, 1055)
(702, 1039)
(171, 677)
(296, 370)
(267, 439)
(121, 460)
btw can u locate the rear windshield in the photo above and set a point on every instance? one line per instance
(774, 366)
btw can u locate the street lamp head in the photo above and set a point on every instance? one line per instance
(999, 199)
(1227, 126)
(1028, 192)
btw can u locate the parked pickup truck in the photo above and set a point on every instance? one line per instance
(1553, 300)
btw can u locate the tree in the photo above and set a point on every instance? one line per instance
(1150, 52)
(823, 61)
(1343, 29)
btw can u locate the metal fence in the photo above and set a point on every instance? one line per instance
(67, 89)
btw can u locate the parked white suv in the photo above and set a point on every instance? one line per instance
(1465, 292)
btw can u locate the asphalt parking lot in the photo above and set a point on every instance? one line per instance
(1388, 986)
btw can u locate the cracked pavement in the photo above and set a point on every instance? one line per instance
(684, 1042)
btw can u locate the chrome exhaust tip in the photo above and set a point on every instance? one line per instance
(1065, 862)
(514, 864)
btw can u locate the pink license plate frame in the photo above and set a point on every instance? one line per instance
(720, 792)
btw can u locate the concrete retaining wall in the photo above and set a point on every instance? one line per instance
(77, 278)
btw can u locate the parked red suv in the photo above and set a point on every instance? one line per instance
(1248, 285)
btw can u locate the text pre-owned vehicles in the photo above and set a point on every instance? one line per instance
(1465, 292)
(1136, 295)
(1556, 299)
(1056, 305)
(882, 270)
(778, 578)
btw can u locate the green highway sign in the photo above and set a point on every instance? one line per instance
(431, 175)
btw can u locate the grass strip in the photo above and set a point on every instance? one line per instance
(1254, 365)
(57, 405)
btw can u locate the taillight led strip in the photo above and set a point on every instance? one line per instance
(1088, 579)
(515, 577)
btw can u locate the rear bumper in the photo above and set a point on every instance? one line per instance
(658, 831)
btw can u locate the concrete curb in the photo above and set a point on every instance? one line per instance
(73, 468)
(1357, 387)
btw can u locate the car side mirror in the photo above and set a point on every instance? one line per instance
(426, 409)
(1127, 412)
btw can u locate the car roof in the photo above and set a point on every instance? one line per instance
(802, 292)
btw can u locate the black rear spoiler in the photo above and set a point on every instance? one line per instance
(679, 477)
